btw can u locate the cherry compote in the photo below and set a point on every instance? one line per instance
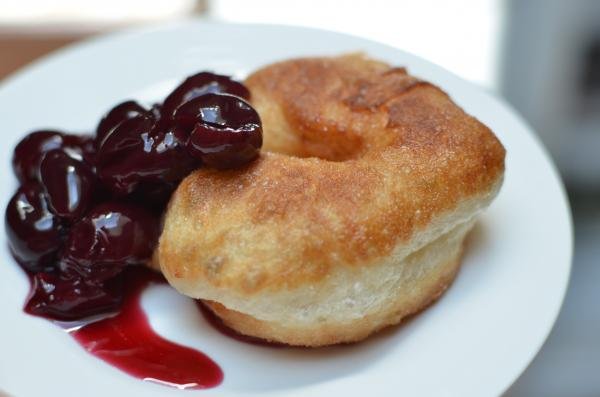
(140, 152)
(111, 236)
(28, 153)
(226, 130)
(69, 184)
(201, 84)
(70, 298)
(118, 114)
(35, 234)
(88, 211)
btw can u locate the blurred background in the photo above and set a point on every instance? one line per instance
(543, 56)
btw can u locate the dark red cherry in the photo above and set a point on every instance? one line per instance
(156, 110)
(161, 122)
(71, 298)
(69, 184)
(200, 84)
(109, 237)
(227, 131)
(115, 162)
(125, 136)
(29, 152)
(168, 158)
(80, 147)
(34, 233)
(118, 114)
(139, 152)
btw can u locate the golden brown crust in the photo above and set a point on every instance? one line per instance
(389, 155)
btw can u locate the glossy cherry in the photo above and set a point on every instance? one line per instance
(29, 151)
(123, 111)
(72, 298)
(111, 236)
(227, 131)
(34, 233)
(200, 84)
(168, 157)
(69, 184)
(138, 153)
(114, 163)
(79, 147)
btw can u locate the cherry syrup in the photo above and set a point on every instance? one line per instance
(127, 342)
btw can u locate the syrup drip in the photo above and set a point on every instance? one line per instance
(127, 342)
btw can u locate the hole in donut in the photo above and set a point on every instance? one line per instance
(300, 136)
(339, 120)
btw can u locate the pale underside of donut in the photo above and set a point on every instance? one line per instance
(354, 215)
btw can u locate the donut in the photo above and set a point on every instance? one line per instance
(352, 218)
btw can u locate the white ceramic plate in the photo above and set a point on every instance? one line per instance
(473, 342)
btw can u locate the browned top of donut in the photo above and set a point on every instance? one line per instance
(363, 157)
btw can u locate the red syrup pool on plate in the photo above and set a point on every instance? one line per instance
(127, 341)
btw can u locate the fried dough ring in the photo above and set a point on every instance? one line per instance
(353, 216)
